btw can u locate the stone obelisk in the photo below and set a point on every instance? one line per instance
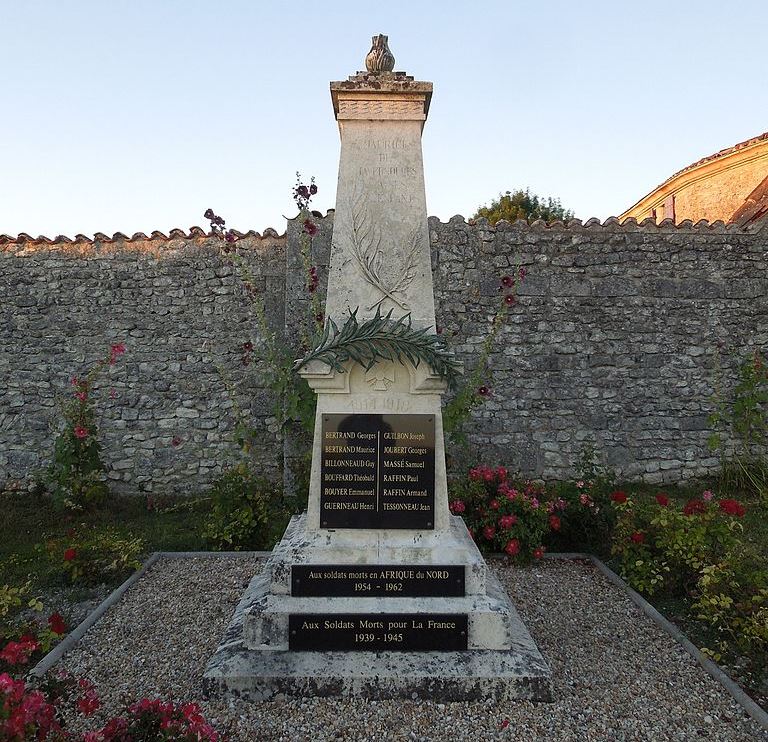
(377, 589)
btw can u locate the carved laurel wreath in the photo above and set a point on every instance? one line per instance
(367, 251)
(382, 338)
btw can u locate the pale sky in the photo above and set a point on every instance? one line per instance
(137, 115)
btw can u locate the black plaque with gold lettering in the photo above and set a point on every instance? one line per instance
(394, 632)
(377, 580)
(377, 471)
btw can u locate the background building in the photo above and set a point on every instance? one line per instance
(731, 185)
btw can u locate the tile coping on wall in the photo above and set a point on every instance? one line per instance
(749, 706)
(612, 223)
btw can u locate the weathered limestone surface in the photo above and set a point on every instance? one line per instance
(281, 637)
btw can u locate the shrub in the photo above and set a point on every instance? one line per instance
(733, 600)
(587, 519)
(663, 547)
(156, 721)
(244, 510)
(93, 556)
(25, 714)
(500, 516)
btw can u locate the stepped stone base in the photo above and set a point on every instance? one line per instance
(519, 672)
(502, 661)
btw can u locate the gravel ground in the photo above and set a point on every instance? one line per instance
(617, 676)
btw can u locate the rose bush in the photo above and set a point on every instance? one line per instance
(501, 515)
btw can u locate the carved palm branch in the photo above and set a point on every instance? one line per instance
(365, 238)
(381, 338)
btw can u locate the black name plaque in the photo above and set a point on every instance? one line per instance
(376, 581)
(394, 632)
(377, 471)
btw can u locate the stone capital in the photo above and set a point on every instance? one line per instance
(384, 96)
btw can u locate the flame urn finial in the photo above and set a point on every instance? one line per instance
(379, 59)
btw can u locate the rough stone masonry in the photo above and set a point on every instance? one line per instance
(618, 339)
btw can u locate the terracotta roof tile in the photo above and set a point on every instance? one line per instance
(722, 153)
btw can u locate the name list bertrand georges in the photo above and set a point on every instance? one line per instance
(377, 471)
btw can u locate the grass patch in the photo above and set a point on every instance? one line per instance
(28, 521)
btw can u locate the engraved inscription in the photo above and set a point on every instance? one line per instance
(368, 580)
(377, 471)
(397, 632)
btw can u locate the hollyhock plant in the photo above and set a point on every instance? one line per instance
(76, 478)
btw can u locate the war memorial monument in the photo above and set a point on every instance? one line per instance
(377, 590)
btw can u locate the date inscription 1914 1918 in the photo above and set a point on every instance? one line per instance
(377, 471)
(398, 632)
(377, 581)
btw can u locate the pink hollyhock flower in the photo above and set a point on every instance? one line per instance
(507, 281)
(81, 396)
(509, 300)
(80, 432)
(483, 390)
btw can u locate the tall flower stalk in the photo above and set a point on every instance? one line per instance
(76, 475)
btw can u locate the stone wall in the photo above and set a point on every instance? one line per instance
(614, 342)
(183, 315)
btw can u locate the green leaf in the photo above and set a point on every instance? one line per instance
(382, 338)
